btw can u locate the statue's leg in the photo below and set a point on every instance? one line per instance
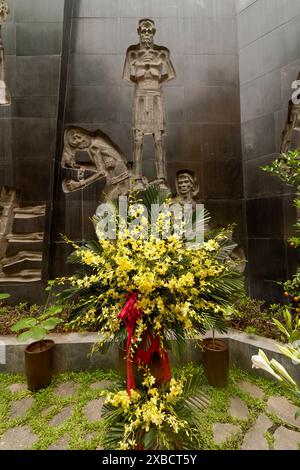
(160, 156)
(138, 138)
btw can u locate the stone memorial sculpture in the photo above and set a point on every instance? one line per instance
(5, 97)
(21, 254)
(148, 66)
(105, 161)
(186, 187)
(290, 137)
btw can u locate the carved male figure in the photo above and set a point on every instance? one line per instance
(148, 66)
(186, 187)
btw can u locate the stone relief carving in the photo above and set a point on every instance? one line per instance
(187, 187)
(8, 201)
(5, 98)
(290, 137)
(105, 160)
(20, 252)
(148, 66)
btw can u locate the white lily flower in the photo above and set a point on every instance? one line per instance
(261, 361)
(281, 370)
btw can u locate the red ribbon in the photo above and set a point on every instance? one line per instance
(130, 314)
(153, 356)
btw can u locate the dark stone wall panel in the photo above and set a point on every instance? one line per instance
(265, 218)
(6, 137)
(212, 104)
(227, 211)
(269, 291)
(266, 259)
(217, 142)
(30, 177)
(35, 107)
(33, 138)
(259, 183)
(38, 11)
(70, 225)
(9, 37)
(211, 70)
(207, 8)
(37, 75)
(209, 36)
(59, 266)
(96, 8)
(32, 293)
(261, 96)
(289, 215)
(95, 36)
(93, 104)
(258, 137)
(39, 38)
(91, 69)
(223, 180)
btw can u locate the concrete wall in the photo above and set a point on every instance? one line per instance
(269, 60)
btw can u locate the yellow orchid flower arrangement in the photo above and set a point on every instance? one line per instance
(178, 289)
(154, 417)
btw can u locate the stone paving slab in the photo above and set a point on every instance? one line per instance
(62, 416)
(92, 410)
(17, 387)
(103, 385)
(284, 409)
(62, 444)
(238, 409)
(224, 431)
(20, 407)
(253, 390)
(254, 439)
(285, 439)
(19, 438)
(67, 389)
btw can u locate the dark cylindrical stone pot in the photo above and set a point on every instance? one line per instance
(216, 362)
(39, 364)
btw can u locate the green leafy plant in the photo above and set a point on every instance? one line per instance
(4, 297)
(250, 330)
(291, 326)
(254, 314)
(286, 167)
(38, 328)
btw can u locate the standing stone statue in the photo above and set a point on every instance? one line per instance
(148, 66)
(5, 98)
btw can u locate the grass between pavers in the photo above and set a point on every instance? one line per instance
(78, 428)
